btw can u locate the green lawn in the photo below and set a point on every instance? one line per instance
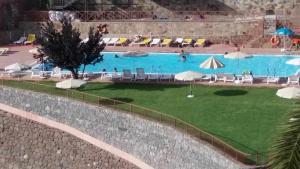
(247, 118)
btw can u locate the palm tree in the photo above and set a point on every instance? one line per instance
(285, 154)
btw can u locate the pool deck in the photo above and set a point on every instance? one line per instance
(21, 54)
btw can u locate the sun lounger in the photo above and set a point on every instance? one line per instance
(153, 77)
(140, 74)
(3, 50)
(293, 80)
(199, 42)
(187, 42)
(168, 77)
(178, 41)
(155, 42)
(247, 79)
(226, 77)
(20, 41)
(112, 41)
(145, 42)
(30, 39)
(121, 41)
(127, 75)
(104, 41)
(166, 42)
(272, 79)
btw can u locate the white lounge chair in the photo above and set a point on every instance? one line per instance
(272, 79)
(127, 75)
(112, 41)
(20, 41)
(140, 74)
(105, 41)
(293, 80)
(56, 72)
(116, 76)
(226, 77)
(155, 42)
(168, 77)
(3, 50)
(152, 76)
(247, 79)
(178, 41)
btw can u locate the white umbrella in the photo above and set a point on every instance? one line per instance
(237, 55)
(289, 93)
(16, 67)
(295, 62)
(189, 76)
(211, 63)
(70, 83)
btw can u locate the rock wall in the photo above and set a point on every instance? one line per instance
(28, 144)
(158, 145)
(166, 29)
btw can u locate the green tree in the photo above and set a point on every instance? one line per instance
(285, 153)
(66, 49)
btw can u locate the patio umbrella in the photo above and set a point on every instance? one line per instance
(70, 83)
(237, 55)
(211, 63)
(16, 67)
(295, 62)
(189, 76)
(284, 32)
(289, 93)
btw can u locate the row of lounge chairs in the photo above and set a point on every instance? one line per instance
(153, 42)
(30, 39)
(3, 51)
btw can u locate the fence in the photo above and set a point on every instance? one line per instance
(228, 150)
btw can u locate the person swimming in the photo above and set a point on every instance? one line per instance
(182, 55)
(116, 56)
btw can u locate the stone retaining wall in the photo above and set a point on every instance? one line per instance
(165, 29)
(158, 145)
(28, 144)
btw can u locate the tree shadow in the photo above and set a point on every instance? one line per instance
(131, 86)
(230, 92)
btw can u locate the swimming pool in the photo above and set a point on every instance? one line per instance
(260, 65)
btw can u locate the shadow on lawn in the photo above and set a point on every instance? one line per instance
(123, 99)
(230, 92)
(131, 86)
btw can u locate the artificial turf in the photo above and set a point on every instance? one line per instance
(247, 118)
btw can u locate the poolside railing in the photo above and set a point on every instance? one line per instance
(250, 158)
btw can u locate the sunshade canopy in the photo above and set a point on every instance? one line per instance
(16, 67)
(289, 93)
(284, 32)
(188, 76)
(70, 83)
(295, 62)
(211, 63)
(237, 55)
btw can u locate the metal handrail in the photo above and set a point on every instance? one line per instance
(146, 112)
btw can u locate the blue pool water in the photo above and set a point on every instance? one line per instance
(260, 65)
